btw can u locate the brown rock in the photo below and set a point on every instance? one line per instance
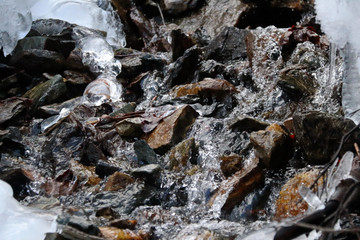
(238, 186)
(113, 233)
(118, 181)
(206, 88)
(12, 107)
(289, 202)
(172, 129)
(231, 164)
(273, 146)
(183, 154)
(245, 123)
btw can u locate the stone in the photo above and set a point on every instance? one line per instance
(290, 203)
(246, 123)
(47, 92)
(273, 146)
(14, 85)
(145, 153)
(117, 181)
(113, 233)
(130, 127)
(207, 88)
(238, 186)
(214, 17)
(12, 107)
(179, 43)
(176, 7)
(182, 154)
(76, 77)
(228, 45)
(150, 172)
(124, 224)
(319, 134)
(172, 129)
(231, 164)
(296, 81)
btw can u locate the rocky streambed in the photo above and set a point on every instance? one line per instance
(220, 112)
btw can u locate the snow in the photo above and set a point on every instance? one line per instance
(18, 222)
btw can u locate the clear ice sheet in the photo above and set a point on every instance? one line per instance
(14, 25)
(18, 222)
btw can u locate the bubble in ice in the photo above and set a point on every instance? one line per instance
(14, 25)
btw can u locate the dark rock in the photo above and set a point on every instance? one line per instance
(84, 225)
(118, 181)
(130, 127)
(179, 43)
(319, 134)
(179, 6)
(18, 178)
(238, 186)
(150, 172)
(106, 167)
(184, 68)
(54, 109)
(12, 107)
(69, 232)
(144, 152)
(76, 78)
(124, 223)
(108, 213)
(172, 129)
(273, 146)
(214, 17)
(14, 85)
(231, 164)
(296, 81)
(91, 154)
(228, 45)
(207, 88)
(47, 92)
(182, 154)
(245, 123)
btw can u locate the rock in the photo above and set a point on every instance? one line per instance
(14, 85)
(84, 174)
(290, 203)
(296, 81)
(179, 6)
(145, 153)
(231, 164)
(248, 124)
(273, 146)
(83, 225)
(118, 181)
(76, 78)
(124, 223)
(55, 109)
(150, 172)
(130, 127)
(228, 45)
(319, 134)
(12, 107)
(182, 154)
(214, 17)
(91, 154)
(182, 71)
(18, 177)
(113, 233)
(207, 88)
(106, 167)
(47, 92)
(238, 186)
(172, 129)
(180, 42)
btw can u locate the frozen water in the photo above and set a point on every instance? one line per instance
(85, 13)
(18, 222)
(15, 23)
(310, 197)
(340, 20)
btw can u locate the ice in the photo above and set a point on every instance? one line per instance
(311, 198)
(54, 120)
(18, 222)
(340, 20)
(14, 25)
(85, 13)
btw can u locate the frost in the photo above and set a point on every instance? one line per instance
(14, 25)
(17, 221)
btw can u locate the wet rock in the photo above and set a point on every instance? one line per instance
(245, 123)
(14, 85)
(319, 134)
(207, 88)
(55, 109)
(228, 45)
(39, 61)
(118, 181)
(172, 129)
(76, 78)
(12, 107)
(289, 202)
(179, 43)
(114, 233)
(184, 68)
(69, 232)
(231, 164)
(182, 154)
(83, 225)
(47, 92)
(272, 146)
(296, 81)
(130, 127)
(124, 224)
(238, 186)
(214, 17)
(18, 177)
(309, 55)
(145, 153)
(179, 6)
(91, 155)
(107, 213)
(150, 172)
(106, 167)
(84, 174)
